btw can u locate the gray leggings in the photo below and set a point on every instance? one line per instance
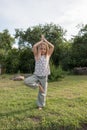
(33, 82)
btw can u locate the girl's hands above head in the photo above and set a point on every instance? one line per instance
(42, 37)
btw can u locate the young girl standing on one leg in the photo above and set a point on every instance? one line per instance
(42, 53)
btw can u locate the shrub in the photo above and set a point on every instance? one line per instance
(56, 72)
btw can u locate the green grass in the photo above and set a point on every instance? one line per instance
(66, 106)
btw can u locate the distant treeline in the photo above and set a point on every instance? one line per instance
(67, 54)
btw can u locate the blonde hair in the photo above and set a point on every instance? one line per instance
(47, 47)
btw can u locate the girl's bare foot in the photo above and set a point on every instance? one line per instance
(40, 108)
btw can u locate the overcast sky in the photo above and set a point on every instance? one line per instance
(26, 13)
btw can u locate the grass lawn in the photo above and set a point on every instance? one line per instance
(66, 106)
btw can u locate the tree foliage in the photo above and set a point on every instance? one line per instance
(26, 64)
(6, 40)
(79, 48)
(12, 61)
(65, 55)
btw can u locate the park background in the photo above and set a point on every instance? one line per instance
(22, 24)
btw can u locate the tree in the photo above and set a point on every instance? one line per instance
(79, 48)
(65, 55)
(2, 56)
(12, 61)
(26, 63)
(6, 40)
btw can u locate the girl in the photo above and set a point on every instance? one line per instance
(42, 52)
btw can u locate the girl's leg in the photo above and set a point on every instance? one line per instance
(42, 95)
(41, 88)
(31, 81)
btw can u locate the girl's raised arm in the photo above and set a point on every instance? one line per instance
(35, 48)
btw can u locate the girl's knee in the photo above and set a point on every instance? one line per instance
(26, 81)
(29, 82)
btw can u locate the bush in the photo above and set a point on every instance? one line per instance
(56, 72)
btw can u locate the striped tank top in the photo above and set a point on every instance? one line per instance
(42, 66)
